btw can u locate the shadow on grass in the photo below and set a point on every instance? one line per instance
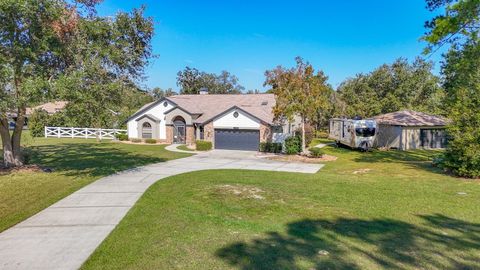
(88, 158)
(440, 243)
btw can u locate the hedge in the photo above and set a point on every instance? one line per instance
(152, 141)
(269, 147)
(122, 137)
(293, 145)
(202, 145)
(316, 152)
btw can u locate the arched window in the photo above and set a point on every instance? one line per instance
(146, 130)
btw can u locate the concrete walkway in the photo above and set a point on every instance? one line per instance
(173, 148)
(65, 234)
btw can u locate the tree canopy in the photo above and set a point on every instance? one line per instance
(191, 80)
(299, 91)
(393, 87)
(459, 28)
(59, 49)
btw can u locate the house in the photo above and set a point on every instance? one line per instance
(238, 122)
(405, 130)
(49, 107)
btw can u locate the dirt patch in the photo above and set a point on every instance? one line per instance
(300, 158)
(362, 171)
(22, 169)
(248, 192)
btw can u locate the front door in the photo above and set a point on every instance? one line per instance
(179, 134)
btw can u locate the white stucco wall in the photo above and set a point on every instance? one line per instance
(158, 111)
(243, 121)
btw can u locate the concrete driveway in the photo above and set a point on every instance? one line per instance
(65, 234)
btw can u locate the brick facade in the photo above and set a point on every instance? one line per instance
(169, 131)
(190, 135)
(265, 133)
(209, 133)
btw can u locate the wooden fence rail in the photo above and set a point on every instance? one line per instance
(86, 133)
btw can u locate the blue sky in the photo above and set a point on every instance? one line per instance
(246, 37)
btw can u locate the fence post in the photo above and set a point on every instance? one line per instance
(86, 133)
(72, 132)
(45, 130)
(100, 133)
(58, 132)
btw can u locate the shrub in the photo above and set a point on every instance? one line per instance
(262, 147)
(293, 145)
(122, 137)
(152, 141)
(202, 145)
(37, 122)
(136, 140)
(40, 119)
(270, 147)
(321, 134)
(316, 152)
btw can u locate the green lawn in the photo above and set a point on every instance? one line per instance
(364, 211)
(76, 163)
(184, 148)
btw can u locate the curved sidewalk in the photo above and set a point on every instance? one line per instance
(65, 234)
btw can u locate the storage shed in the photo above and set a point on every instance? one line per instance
(405, 130)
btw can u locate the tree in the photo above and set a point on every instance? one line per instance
(299, 91)
(459, 27)
(59, 48)
(191, 80)
(459, 24)
(159, 93)
(393, 87)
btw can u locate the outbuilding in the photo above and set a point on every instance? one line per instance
(406, 130)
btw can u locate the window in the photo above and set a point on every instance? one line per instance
(146, 130)
(365, 132)
(277, 129)
(235, 114)
(165, 104)
(201, 133)
(433, 138)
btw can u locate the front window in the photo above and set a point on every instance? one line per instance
(365, 132)
(277, 129)
(146, 130)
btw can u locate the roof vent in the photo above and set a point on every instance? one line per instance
(264, 103)
(203, 91)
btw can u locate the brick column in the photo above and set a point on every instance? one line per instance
(209, 133)
(190, 136)
(169, 131)
(265, 133)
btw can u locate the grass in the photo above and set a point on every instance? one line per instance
(184, 148)
(75, 163)
(397, 213)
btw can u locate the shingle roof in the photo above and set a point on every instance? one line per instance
(410, 119)
(210, 106)
(50, 107)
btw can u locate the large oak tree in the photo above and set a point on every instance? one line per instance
(62, 49)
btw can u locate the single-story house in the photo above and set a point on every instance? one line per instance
(239, 121)
(405, 130)
(49, 107)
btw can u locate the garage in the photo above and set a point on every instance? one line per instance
(237, 139)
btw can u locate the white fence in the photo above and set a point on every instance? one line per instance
(86, 133)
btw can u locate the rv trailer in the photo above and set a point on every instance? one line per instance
(353, 133)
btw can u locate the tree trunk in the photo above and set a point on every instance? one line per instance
(12, 154)
(303, 135)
